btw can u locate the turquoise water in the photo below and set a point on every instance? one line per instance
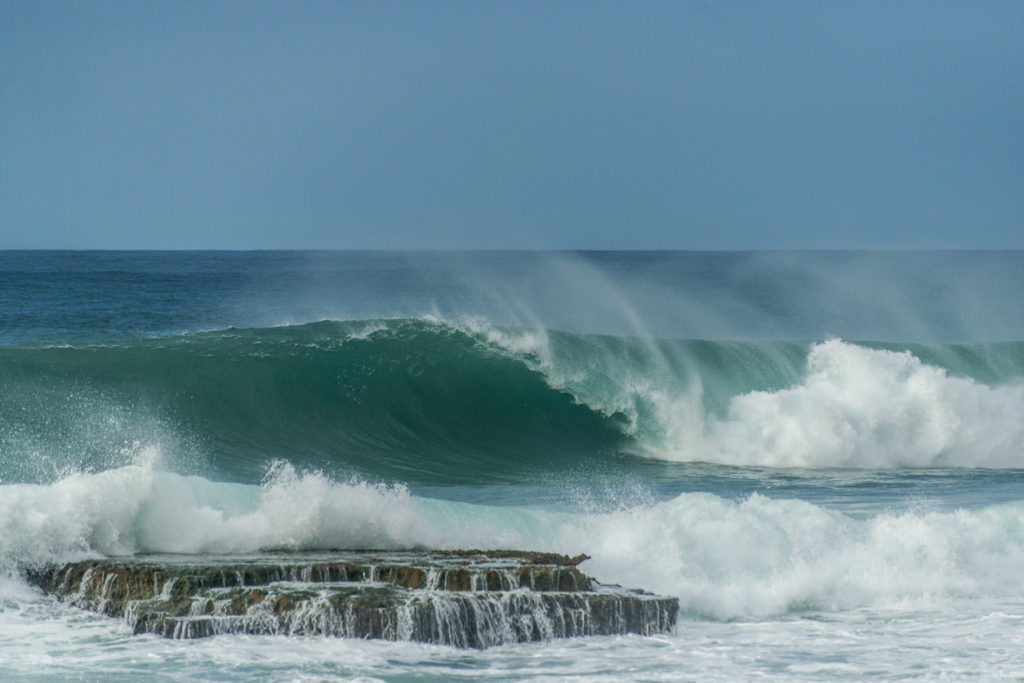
(819, 454)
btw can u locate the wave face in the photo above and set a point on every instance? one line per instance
(400, 400)
(430, 402)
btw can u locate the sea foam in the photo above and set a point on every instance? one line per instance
(871, 408)
(722, 558)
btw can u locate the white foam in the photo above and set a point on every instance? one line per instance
(291, 511)
(761, 557)
(722, 558)
(138, 508)
(861, 407)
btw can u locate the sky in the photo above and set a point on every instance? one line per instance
(519, 124)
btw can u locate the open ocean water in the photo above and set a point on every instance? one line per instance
(821, 454)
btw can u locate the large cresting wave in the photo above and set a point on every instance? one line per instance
(431, 402)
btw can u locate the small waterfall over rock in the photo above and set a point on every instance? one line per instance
(465, 598)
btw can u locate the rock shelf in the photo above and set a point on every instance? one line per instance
(467, 598)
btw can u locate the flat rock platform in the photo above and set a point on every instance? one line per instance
(467, 598)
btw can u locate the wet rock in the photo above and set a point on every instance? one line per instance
(463, 598)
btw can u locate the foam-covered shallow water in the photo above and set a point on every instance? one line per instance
(829, 478)
(44, 640)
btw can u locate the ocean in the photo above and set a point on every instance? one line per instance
(820, 454)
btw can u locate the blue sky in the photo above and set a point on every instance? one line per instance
(479, 124)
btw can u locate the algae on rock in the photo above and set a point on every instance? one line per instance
(462, 598)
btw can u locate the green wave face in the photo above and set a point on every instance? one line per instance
(431, 403)
(410, 400)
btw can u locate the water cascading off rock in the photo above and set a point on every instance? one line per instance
(465, 598)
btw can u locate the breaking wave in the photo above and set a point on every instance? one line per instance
(723, 558)
(428, 402)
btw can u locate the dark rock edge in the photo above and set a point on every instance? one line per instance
(463, 598)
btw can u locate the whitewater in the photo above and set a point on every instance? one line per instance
(821, 455)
